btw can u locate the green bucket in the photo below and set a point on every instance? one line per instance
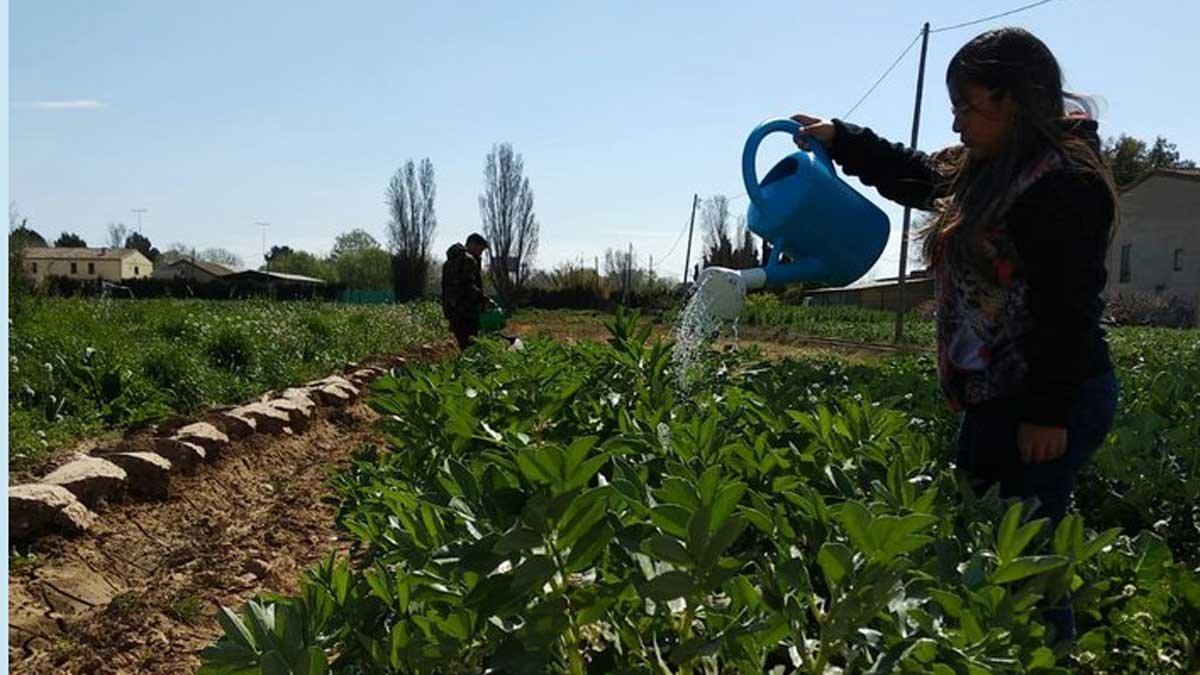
(491, 320)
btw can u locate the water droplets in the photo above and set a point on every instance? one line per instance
(698, 327)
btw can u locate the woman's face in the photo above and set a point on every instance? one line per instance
(982, 121)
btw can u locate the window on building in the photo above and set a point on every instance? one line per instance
(1178, 260)
(135, 271)
(74, 268)
(35, 268)
(1125, 272)
(91, 268)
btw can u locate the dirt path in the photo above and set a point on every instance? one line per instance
(140, 592)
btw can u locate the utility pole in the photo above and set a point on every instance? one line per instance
(139, 213)
(687, 259)
(264, 225)
(916, 127)
(628, 276)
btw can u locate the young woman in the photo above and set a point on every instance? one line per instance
(1024, 209)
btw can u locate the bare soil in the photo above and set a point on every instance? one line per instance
(140, 592)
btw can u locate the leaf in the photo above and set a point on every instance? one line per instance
(586, 510)
(314, 662)
(629, 491)
(835, 561)
(519, 539)
(589, 546)
(676, 490)
(606, 597)
(261, 619)
(759, 520)
(1012, 538)
(545, 623)
(744, 592)
(670, 549)
(1153, 558)
(671, 519)
(576, 452)
(235, 630)
(583, 472)
(541, 464)
(856, 520)
(722, 540)
(228, 657)
(698, 524)
(1098, 544)
(923, 650)
(794, 573)
(465, 480)
(951, 604)
(1008, 531)
(273, 663)
(707, 487)
(1042, 657)
(1028, 566)
(1068, 536)
(686, 650)
(726, 501)
(669, 585)
(493, 596)
(531, 575)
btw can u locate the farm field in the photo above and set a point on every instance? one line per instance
(573, 508)
(569, 508)
(80, 369)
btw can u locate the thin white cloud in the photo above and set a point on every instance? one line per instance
(79, 104)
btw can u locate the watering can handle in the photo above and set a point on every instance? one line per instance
(750, 153)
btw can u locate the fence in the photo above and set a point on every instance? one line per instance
(358, 297)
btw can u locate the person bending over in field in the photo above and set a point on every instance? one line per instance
(462, 289)
(1024, 210)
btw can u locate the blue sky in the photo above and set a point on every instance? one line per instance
(215, 115)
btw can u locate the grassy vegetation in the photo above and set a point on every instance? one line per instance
(846, 323)
(81, 366)
(572, 509)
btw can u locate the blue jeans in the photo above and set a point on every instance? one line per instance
(988, 452)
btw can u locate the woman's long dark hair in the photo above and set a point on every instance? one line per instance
(1012, 62)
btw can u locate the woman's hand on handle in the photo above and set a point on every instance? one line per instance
(1040, 444)
(815, 127)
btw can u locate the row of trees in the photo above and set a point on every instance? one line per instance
(1131, 158)
(407, 266)
(405, 263)
(357, 259)
(506, 213)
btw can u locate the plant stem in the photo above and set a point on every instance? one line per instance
(572, 648)
(685, 634)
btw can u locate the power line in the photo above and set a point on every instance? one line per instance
(989, 18)
(873, 86)
(675, 245)
(914, 42)
(885, 74)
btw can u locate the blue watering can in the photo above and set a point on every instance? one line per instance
(831, 233)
